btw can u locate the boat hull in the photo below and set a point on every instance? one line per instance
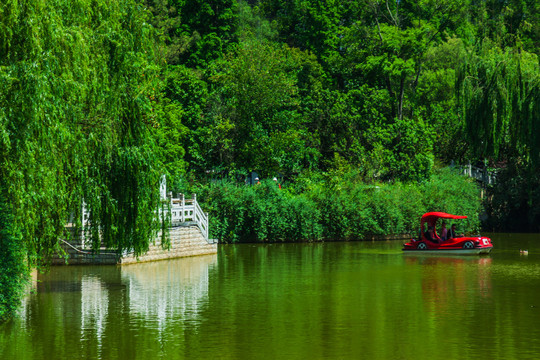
(475, 251)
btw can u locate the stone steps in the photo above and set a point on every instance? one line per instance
(184, 241)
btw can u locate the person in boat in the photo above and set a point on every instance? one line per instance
(452, 233)
(430, 235)
(444, 232)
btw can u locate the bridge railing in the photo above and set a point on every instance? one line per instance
(181, 211)
(184, 210)
(481, 174)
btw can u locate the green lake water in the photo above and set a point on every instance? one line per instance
(358, 300)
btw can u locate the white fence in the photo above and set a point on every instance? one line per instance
(184, 210)
(482, 175)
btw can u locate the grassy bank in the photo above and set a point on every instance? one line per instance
(329, 207)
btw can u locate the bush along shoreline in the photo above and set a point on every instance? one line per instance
(334, 208)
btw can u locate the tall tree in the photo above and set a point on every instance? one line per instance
(196, 31)
(75, 107)
(500, 103)
(387, 48)
(499, 92)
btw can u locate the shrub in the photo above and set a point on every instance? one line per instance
(329, 208)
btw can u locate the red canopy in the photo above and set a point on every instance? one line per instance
(432, 217)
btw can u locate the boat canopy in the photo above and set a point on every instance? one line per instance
(431, 218)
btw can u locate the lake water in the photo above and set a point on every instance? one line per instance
(289, 301)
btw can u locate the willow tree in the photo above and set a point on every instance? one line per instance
(499, 94)
(499, 101)
(77, 83)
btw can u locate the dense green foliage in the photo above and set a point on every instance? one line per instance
(75, 108)
(13, 265)
(500, 100)
(334, 208)
(74, 120)
(388, 88)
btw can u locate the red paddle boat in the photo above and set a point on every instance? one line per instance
(458, 245)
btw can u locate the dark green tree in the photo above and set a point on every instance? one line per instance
(252, 120)
(500, 101)
(196, 31)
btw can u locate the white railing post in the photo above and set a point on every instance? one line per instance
(206, 226)
(200, 217)
(195, 214)
(84, 217)
(182, 210)
(182, 204)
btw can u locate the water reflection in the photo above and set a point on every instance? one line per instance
(94, 306)
(25, 301)
(449, 282)
(168, 289)
(97, 310)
